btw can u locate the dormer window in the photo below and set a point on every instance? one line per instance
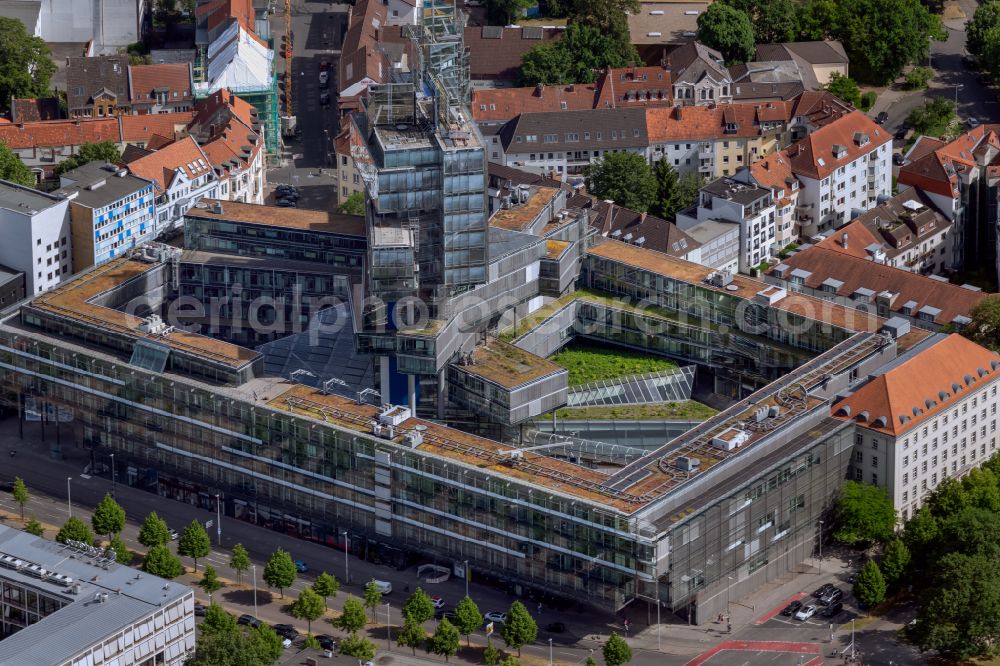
(731, 128)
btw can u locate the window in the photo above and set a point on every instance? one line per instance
(859, 456)
(874, 461)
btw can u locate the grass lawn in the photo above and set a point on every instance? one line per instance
(589, 362)
(685, 410)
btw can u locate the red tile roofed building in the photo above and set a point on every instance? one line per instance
(362, 61)
(162, 88)
(634, 86)
(495, 106)
(212, 17)
(140, 130)
(44, 144)
(230, 134)
(32, 110)
(947, 388)
(774, 171)
(496, 51)
(181, 174)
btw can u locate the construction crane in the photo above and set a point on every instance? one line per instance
(289, 74)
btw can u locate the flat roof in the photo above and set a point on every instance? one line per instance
(555, 248)
(519, 217)
(509, 366)
(272, 263)
(84, 621)
(24, 200)
(96, 185)
(275, 216)
(73, 301)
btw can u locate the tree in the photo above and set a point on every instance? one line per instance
(358, 647)
(895, 559)
(506, 12)
(590, 662)
(239, 561)
(492, 654)
(353, 205)
(210, 582)
(418, 607)
(154, 531)
(608, 16)
(960, 614)
(881, 37)
(624, 178)
(217, 619)
(108, 517)
(352, 618)
(986, 17)
(159, 561)
(445, 639)
(673, 192)
(817, 19)
(25, 63)
(467, 618)
(280, 571)
(863, 514)
(13, 169)
(728, 31)
(20, 493)
(845, 88)
(985, 325)
(75, 530)
(122, 553)
(616, 651)
(326, 586)
(105, 151)
(309, 606)
(510, 661)
(373, 597)
(519, 628)
(412, 635)
(776, 21)
(918, 78)
(546, 64)
(34, 527)
(194, 542)
(266, 643)
(245, 646)
(869, 586)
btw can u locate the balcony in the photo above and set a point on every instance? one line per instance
(706, 153)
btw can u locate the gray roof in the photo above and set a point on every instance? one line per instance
(736, 191)
(691, 62)
(24, 200)
(618, 128)
(85, 77)
(818, 53)
(85, 620)
(114, 186)
(25, 11)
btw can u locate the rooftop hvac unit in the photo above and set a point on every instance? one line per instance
(687, 463)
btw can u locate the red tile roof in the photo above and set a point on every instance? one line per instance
(32, 110)
(921, 387)
(220, 11)
(775, 172)
(814, 155)
(934, 164)
(54, 133)
(184, 155)
(500, 58)
(635, 86)
(136, 129)
(703, 122)
(147, 80)
(505, 103)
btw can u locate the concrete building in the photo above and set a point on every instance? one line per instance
(66, 604)
(36, 232)
(930, 417)
(749, 207)
(11, 286)
(818, 60)
(108, 24)
(111, 212)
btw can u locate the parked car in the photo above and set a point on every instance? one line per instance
(286, 631)
(823, 589)
(882, 117)
(324, 65)
(437, 601)
(384, 586)
(831, 597)
(791, 608)
(324, 98)
(901, 133)
(973, 122)
(834, 609)
(283, 187)
(301, 566)
(249, 620)
(199, 610)
(326, 642)
(173, 535)
(496, 616)
(898, 159)
(7, 485)
(555, 627)
(324, 78)
(286, 643)
(805, 612)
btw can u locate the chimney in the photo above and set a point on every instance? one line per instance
(843, 239)
(538, 89)
(642, 217)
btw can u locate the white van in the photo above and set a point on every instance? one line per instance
(383, 586)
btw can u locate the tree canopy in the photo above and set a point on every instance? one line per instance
(20, 494)
(358, 647)
(234, 645)
(772, 20)
(353, 205)
(239, 561)
(210, 581)
(194, 542)
(159, 561)
(418, 607)
(863, 514)
(13, 169)
(75, 530)
(412, 635)
(895, 559)
(121, 550)
(467, 617)
(352, 618)
(445, 639)
(727, 30)
(154, 531)
(373, 597)
(109, 517)
(34, 527)
(25, 63)
(579, 57)
(326, 585)
(625, 178)
(280, 571)
(506, 12)
(673, 192)
(105, 151)
(217, 619)
(845, 88)
(616, 651)
(869, 586)
(980, 32)
(985, 325)
(519, 628)
(309, 607)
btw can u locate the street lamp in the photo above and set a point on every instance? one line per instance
(550, 652)
(69, 501)
(388, 629)
(821, 546)
(218, 519)
(347, 571)
(466, 577)
(728, 588)
(114, 493)
(957, 86)
(253, 568)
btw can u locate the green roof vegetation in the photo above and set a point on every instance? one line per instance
(588, 362)
(684, 410)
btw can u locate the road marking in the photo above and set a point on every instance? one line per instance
(777, 609)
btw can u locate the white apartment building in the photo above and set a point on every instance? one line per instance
(775, 172)
(35, 228)
(931, 417)
(68, 604)
(749, 207)
(842, 169)
(182, 174)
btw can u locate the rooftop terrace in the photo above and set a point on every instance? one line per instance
(290, 218)
(508, 366)
(519, 216)
(73, 300)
